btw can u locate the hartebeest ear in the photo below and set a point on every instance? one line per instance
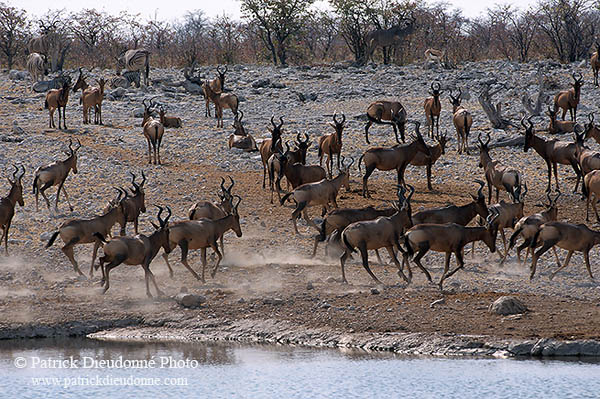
(332, 125)
(155, 226)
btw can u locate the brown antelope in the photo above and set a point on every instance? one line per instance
(498, 175)
(269, 146)
(57, 99)
(201, 234)
(298, 155)
(217, 84)
(527, 226)
(591, 188)
(587, 159)
(569, 99)
(82, 231)
(323, 192)
(92, 98)
(296, 174)
(433, 108)
(240, 138)
(331, 144)
(595, 61)
(461, 215)
(508, 214)
(462, 120)
(153, 131)
(8, 203)
(436, 152)
(214, 211)
(434, 55)
(572, 237)
(552, 151)
(55, 174)
(383, 232)
(559, 127)
(397, 157)
(169, 121)
(381, 112)
(138, 250)
(221, 100)
(591, 130)
(448, 238)
(135, 204)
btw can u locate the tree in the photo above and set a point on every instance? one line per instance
(227, 33)
(14, 29)
(353, 25)
(278, 21)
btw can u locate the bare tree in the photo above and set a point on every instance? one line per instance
(354, 25)
(14, 29)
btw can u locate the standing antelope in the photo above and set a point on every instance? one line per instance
(57, 99)
(587, 159)
(8, 203)
(138, 250)
(462, 120)
(498, 175)
(216, 85)
(398, 157)
(591, 130)
(528, 226)
(92, 99)
(448, 238)
(591, 190)
(201, 234)
(331, 144)
(134, 205)
(433, 108)
(153, 131)
(508, 214)
(552, 151)
(37, 65)
(569, 99)
(296, 173)
(595, 61)
(83, 231)
(55, 174)
(381, 112)
(136, 60)
(221, 100)
(436, 152)
(269, 146)
(321, 193)
(572, 237)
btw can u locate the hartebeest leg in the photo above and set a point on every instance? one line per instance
(586, 256)
(417, 261)
(362, 247)
(94, 253)
(567, 260)
(183, 244)
(368, 172)
(61, 186)
(343, 259)
(461, 264)
(535, 255)
(215, 248)
(68, 251)
(5, 237)
(395, 260)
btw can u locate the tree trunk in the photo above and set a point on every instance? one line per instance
(494, 113)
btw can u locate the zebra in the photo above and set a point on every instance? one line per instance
(37, 65)
(126, 79)
(136, 60)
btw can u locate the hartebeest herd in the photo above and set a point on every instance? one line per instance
(406, 236)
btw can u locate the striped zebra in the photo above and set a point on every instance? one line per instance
(136, 60)
(37, 66)
(126, 79)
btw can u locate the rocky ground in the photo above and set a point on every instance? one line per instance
(267, 274)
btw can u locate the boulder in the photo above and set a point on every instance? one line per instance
(17, 75)
(261, 83)
(507, 305)
(191, 87)
(189, 300)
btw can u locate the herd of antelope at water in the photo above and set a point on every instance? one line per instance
(396, 228)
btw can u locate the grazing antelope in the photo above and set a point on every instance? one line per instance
(591, 130)
(433, 108)
(587, 159)
(461, 215)
(398, 157)
(135, 60)
(57, 99)
(138, 250)
(436, 152)
(448, 238)
(169, 121)
(383, 232)
(321, 193)
(572, 237)
(55, 174)
(508, 214)
(8, 203)
(214, 211)
(462, 120)
(240, 138)
(569, 99)
(201, 234)
(595, 61)
(217, 85)
(559, 127)
(591, 190)
(37, 65)
(331, 144)
(270, 146)
(91, 98)
(381, 112)
(153, 131)
(221, 100)
(498, 175)
(83, 231)
(552, 151)
(527, 226)
(296, 174)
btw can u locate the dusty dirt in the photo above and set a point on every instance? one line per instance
(266, 273)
